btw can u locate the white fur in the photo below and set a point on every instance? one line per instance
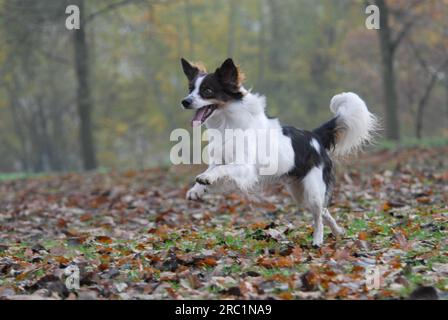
(356, 122)
(314, 197)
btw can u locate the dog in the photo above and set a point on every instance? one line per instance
(304, 164)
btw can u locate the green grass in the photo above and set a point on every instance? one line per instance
(16, 176)
(413, 142)
(9, 176)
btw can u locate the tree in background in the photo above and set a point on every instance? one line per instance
(389, 43)
(84, 96)
(428, 48)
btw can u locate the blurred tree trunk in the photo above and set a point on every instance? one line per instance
(424, 100)
(278, 56)
(422, 105)
(261, 45)
(190, 28)
(277, 45)
(37, 162)
(14, 104)
(232, 20)
(388, 47)
(446, 95)
(433, 74)
(84, 99)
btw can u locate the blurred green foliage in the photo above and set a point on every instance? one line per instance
(298, 53)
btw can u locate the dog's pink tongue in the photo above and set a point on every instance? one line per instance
(197, 119)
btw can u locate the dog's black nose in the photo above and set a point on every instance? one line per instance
(187, 102)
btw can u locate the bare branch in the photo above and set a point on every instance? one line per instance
(418, 56)
(424, 64)
(403, 33)
(400, 11)
(119, 4)
(409, 24)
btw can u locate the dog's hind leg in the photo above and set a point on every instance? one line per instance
(314, 200)
(329, 221)
(295, 189)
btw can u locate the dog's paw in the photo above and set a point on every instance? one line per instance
(196, 193)
(317, 244)
(318, 239)
(338, 231)
(204, 179)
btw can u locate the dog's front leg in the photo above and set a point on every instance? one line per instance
(243, 175)
(197, 192)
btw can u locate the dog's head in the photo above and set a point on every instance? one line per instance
(209, 92)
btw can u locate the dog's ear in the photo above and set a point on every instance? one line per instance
(190, 71)
(228, 75)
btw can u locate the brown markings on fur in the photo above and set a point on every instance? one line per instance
(203, 70)
(200, 66)
(241, 76)
(339, 134)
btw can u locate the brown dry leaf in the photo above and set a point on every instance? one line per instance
(61, 260)
(343, 292)
(297, 253)
(172, 293)
(104, 239)
(258, 225)
(61, 223)
(280, 262)
(310, 280)
(246, 287)
(401, 241)
(208, 261)
(103, 266)
(358, 269)
(362, 235)
(130, 174)
(286, 295)
(424, 200)
(386, 206)
(98, 201)
(86, 217)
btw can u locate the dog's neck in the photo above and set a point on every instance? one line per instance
(247, 113)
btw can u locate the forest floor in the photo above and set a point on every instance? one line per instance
(134, 236)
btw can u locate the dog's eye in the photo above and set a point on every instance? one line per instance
(208, 92)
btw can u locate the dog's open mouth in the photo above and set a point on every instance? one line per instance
(203, 114)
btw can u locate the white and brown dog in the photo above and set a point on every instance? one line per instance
(303, 161)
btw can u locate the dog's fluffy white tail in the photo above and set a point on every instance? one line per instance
(355, 125)
(352, 127)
